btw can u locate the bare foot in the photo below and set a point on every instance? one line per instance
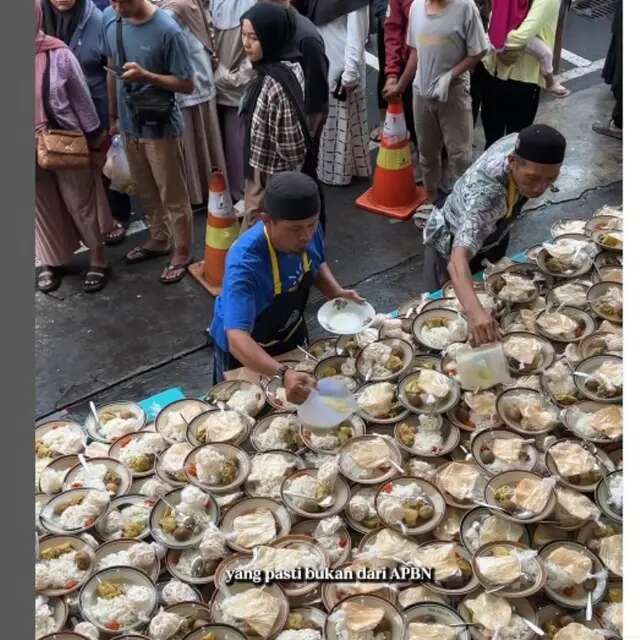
(556, 89)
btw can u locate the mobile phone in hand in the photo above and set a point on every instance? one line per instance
(340, 93)
(113, 72)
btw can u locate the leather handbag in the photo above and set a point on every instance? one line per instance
(59, 149)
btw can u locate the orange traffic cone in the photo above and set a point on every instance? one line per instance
(394, 192)
(222, 230)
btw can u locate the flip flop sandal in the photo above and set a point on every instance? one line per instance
(47, 279)
(560, 94)
(141, 254)
(607, 131)
(95, 279)
(170, 269)
(116, 235)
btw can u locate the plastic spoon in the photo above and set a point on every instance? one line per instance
(95, 413)
(537, 630)
(306, 353)
(495, 589)
(58, 526)
(325, 503)
(589, 586)
(581, 374)
(489, 506)
(397, 467)
(84, 464)
(186, 520)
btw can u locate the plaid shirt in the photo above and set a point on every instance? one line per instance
(277, 138)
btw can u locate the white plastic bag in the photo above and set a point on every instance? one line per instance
(117, 169)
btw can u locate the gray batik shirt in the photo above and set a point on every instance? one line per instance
(476, 204)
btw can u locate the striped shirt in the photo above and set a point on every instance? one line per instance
(481, 197)
(277, 137)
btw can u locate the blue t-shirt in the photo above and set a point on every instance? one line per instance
(248, 281)
(158, 46)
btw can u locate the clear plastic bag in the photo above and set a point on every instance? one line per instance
(117, 169)
(483, 367)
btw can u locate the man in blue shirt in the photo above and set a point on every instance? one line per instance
(269, 273)
(150, 55)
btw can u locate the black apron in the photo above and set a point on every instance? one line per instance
(281, 327)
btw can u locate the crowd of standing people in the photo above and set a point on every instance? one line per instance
(256, 88)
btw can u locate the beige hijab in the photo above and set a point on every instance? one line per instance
(195, 15)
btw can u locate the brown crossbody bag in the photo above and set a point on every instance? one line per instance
(59, 149)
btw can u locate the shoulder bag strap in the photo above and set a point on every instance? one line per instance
(122, 58)
(296, 99)
(294, 92)
(46, 93)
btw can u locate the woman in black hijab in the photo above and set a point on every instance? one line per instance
(62, 24)
(277, 137)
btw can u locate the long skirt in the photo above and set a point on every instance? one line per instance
(71, 208)
(345, 141)
(203, 149)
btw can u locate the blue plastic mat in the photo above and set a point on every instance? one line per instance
(154, 404)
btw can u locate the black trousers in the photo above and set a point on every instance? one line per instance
(407, 98)
(617, 110)
(477, 79)
(508, 106)
(119, 203)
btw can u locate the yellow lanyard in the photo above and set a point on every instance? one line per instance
(275, 268)
(513, 195)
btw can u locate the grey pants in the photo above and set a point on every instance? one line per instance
(448, 124)
(434, 270)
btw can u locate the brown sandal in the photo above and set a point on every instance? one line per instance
(142, 254)
(178, 271)
(116, 236)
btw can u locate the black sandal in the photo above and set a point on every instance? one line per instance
(95, 279)
(142, 254)
(170, 269)
(47, 279)
(116, 235)
(607, 131)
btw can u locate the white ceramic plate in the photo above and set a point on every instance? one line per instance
(345, 317)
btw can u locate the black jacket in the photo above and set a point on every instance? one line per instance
(315, 66)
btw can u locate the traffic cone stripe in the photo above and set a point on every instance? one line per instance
(221, 239)
(221, 223)
(222, 231)
(394, 159)
(395, 127)
(394, 192)
(220, 205)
